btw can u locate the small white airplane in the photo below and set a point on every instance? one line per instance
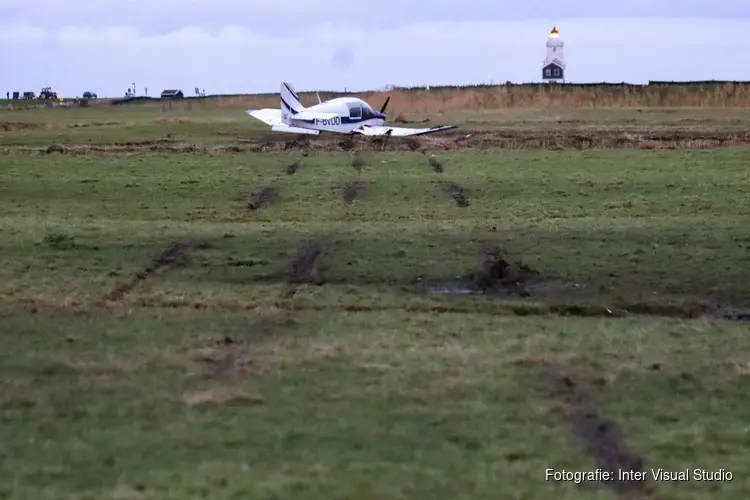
(343, 115)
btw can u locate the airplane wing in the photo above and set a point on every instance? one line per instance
(272, 117)
(400, 131)
(268, 116)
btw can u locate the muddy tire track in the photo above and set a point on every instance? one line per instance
(305, 266)
(20, 126)
(358, 162)
(351, 191)
(232, 352)
(435, 164)
(262, 198)
(459, 194)
(601, 438)
(293, 167)
(496, 270)
(175, 255)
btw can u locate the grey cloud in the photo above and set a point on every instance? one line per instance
(337, 55)
(288, 16)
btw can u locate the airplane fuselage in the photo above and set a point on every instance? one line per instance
(351, 114)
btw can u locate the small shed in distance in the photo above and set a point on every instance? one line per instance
(172, 94)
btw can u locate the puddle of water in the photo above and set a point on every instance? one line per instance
(733, 313)
(535, 289)
(453, 290)
(561, 288)
(550, 287)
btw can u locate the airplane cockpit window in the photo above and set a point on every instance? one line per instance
(355, 111)
(367, 112)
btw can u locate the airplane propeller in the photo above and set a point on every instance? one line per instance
(385, 104)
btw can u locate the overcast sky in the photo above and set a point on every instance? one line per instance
(236, 46)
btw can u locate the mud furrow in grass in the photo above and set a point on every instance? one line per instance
(601, 438)
(458, 140)
(175, 255)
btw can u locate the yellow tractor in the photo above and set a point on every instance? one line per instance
(47, 93)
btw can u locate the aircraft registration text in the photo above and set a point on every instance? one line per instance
(328, 121)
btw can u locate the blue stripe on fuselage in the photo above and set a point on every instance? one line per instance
(284, 103)
(349, 119)
(344, 119)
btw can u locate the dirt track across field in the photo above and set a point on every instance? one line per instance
(455, 140)
(601, 438)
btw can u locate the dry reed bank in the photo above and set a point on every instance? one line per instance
(454, 99)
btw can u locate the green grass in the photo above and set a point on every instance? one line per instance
(42, 127)
(354, 405)
(633, 226)
(218, 380)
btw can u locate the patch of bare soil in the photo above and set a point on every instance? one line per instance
(458, 140)
(273, 143)
(435, 164)
(56, 148)
(292, 168)
(226, 150)
(682, 311)
(413, 144)
(733, 313)
(170, 121)
(268, 324)
(459, 194)
(305, 267)
(351, 191)
(141, 147)
(262, 198)
(153, 142)
(232, 354)
(452, 140)
(20, 126)
(93, 124)
(214, 366)
(498, 275)
(60, 241)
(601, 438)
(358, 163)
(496, 270)
(348, 143)
(220, 396)
(175, 255)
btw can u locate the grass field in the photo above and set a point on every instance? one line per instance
(191, 126)
(193, 308)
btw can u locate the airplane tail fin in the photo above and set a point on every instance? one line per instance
(290, 103)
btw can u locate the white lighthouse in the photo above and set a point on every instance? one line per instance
(553, 70)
